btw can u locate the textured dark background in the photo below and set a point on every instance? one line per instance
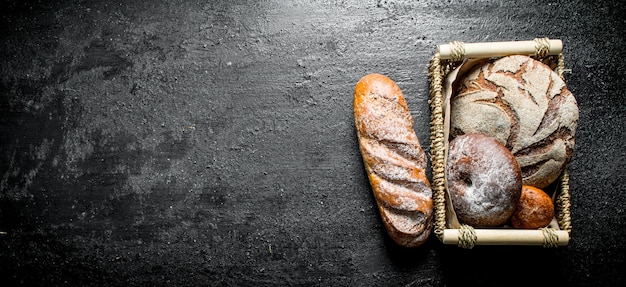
(188, 143)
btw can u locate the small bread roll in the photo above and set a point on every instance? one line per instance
(526, 106)
(534, 210)
(484, 180)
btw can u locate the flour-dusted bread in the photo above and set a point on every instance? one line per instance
(526, 106)
(394, 160)
(484, 180)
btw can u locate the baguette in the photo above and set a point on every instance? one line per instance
(394, 160)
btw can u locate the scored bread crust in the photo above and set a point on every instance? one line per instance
(394, 160)
(526, 106)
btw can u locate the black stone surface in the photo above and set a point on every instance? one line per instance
(195, 143)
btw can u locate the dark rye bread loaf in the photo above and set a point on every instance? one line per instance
(526, 106)
(394, 160)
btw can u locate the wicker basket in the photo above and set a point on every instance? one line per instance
(447, 228)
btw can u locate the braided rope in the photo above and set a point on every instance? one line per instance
(563, 198)
(550, 238)
(467, 237)
(457, 50)
(560, 66)
(542, 47)
(437, 152)
(563, 204)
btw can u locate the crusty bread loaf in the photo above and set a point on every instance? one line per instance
(394, 160)
(526, 106)
(484, 180)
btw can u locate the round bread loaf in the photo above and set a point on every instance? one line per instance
(526, 106)
(484, 180)
(534, 210)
